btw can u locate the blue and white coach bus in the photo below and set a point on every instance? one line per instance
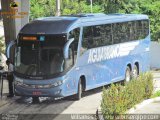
(63, 56)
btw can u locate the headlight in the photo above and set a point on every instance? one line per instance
(58, 83)
(18, 81)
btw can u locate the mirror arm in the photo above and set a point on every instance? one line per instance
(67, 46)
(13, 42)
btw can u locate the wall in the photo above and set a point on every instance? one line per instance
(155, 55)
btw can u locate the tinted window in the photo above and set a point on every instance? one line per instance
(145, 27)
(133, 31)
(128, 31)
(74, 45)
(96, 36)
(117, 32)
(139, 27)
(108, 34)
(102, 35)
(75, 34)
(87, 37)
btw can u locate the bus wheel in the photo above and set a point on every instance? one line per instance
(35, 99)
(128, 74)
(79, 94)
(135, 72)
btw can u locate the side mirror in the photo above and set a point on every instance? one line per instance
(10, 50)
(66, 48)
(1, 68)
(9, 46)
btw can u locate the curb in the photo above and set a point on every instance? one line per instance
(3, 102)
(132, 110)
(142, 104)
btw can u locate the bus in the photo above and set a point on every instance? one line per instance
(67, 55)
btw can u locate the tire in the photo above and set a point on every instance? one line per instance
(35, 99)
(127, 74)
(135, 72)
(79, 94)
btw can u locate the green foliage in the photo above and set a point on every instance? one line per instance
(113, 101)
(76, 7)
(118, 99)
(153, 11)
(112, 6)
(42, 8)
(149, 7)
(157, 94)
(2, 45)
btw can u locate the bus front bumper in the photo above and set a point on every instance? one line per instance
(37, 92)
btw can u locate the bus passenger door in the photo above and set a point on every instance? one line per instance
(71, 59)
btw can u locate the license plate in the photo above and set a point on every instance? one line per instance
(36, 93)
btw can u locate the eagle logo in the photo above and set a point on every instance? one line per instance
(14, 4)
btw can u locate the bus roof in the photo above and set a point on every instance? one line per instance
(63, 24)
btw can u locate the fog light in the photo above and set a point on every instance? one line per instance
(58, 92)
(18, 81)
(58, 83)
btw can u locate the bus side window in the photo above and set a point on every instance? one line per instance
(97, 36)
(142, 27)
(107, 34)
(145, 28)
(116, 28)
(133, 30)
(70, 61)
(139, 26)
(102, 35)
(87, 41)
(74, 45)
(128, 32)
(124, 32)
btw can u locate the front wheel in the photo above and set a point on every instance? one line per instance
(128, 74)
(79, 94)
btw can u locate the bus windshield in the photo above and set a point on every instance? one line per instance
(35, 58)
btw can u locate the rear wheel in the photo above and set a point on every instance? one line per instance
(128, 74)
(135, 71)
(79, 94)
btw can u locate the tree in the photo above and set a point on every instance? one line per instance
(76, 7)
(2, 45)
(152, 9)
(112, 6)
(149, 7)
(42, 8)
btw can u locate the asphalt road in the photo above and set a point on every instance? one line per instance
(50, 109)
(88, 104)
